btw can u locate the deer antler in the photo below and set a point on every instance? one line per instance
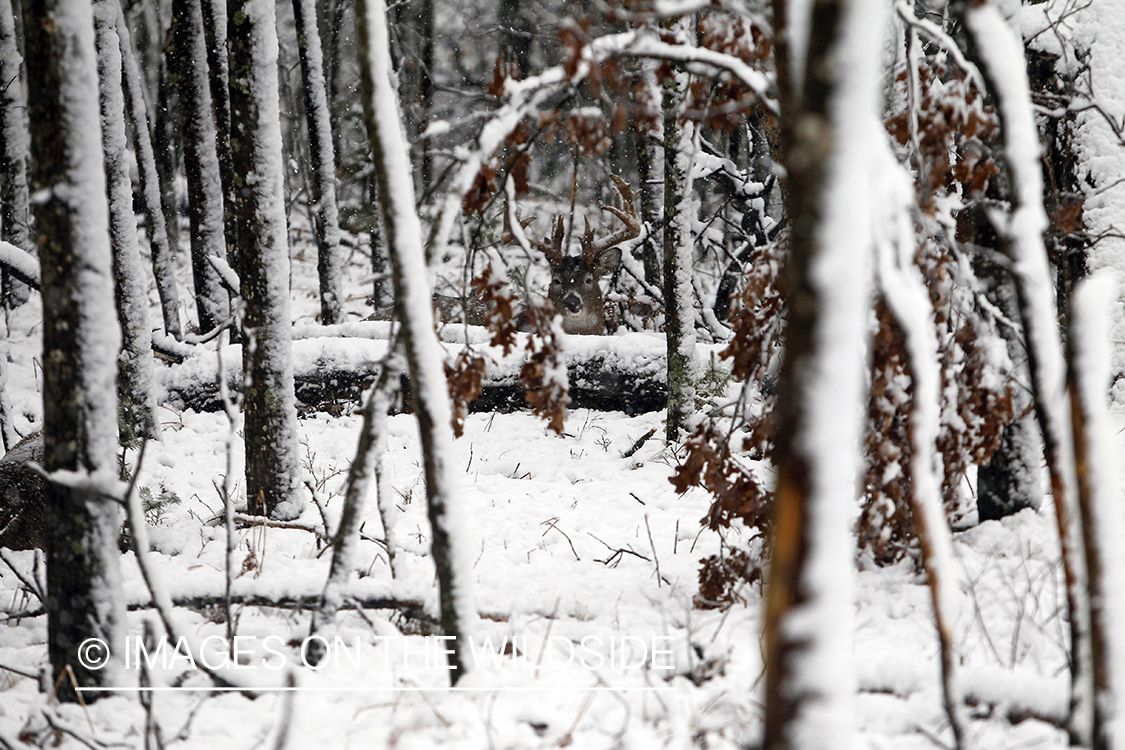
(553, 250)
(627, 213)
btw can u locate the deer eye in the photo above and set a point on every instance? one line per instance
(589, 279)
(556, 282)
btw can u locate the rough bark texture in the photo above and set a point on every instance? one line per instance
(272, 459)
(136, 403)
(166, 141)
(163, 265)
(201, 161)
(14, 200)
(412, 300)
(322, 182)
(80, 337)
(215, 34)
(14, 196)
(679, 316)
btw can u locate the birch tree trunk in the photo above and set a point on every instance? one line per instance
(80, 340)
(201, 161)
(14, 195)
(163, 265)
(412, 302)
(136, 402)
(322, 182)
(14, 198)
(828, 76)
(272, 458)
(679, 315)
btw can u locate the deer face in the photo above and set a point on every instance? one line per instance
(576, 293)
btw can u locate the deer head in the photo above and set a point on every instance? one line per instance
(575, 290)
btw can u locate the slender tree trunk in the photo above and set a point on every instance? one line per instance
(332, 27)
(201, 162)
(828, 77)
(136, 402)
(368, 465)
(165, 140)
(163, 265)
(272, 459)
(215, 34)
(993, 46)
(80, 341)
(412, 302)
(1010, 480)
(679, 314)
(322, 183)
(516, 34)
(14, 197)
(650, 176)
(415, 22)
(1088, 370)
(904, 290)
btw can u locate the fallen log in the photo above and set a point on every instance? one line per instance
(332, 372)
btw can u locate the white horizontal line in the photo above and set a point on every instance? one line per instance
(400, 688)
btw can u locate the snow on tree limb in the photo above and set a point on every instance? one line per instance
(424, 357)
(999, 53)
(20, 263)
(904, 289)
(828, 132)
(1099, 497)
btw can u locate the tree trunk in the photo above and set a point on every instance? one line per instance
(1088, 370)
(679, 314)
(215, 34)
(166, 142)
(412, 302)
(80, 341)
(163, 264)
(993, 46)
(136, 402)
(650, 189)
(14, 197)
(368, 465)
(322, 182)
(272, 459)
(201, 161)
(828, 87)
(415, 22)
(516, 32)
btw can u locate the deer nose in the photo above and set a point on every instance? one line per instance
(572, 302)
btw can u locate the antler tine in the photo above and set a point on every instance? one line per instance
(554, 249)
(627, 214)
(508, 237)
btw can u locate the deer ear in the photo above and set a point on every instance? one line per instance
(608, 260)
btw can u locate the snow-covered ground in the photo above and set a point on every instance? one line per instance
(584, 566)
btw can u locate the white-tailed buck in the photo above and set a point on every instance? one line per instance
(575, 290)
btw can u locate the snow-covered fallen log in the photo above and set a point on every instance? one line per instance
(620, 373)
